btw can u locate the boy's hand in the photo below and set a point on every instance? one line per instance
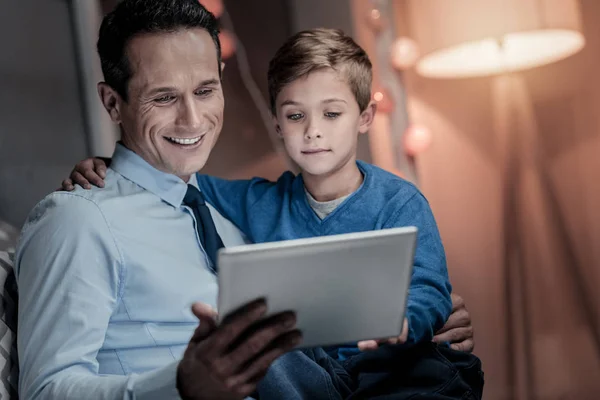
(367, 345)
(90, 170)
(458, 330)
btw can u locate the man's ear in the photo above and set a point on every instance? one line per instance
(222, 66)
(111, 101)
(366, 117)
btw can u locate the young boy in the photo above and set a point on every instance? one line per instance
(320, 94)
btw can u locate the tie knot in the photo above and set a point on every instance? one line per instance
(193, 197)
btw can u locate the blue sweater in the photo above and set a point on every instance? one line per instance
(271, 211)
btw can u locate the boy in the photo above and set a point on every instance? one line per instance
(320, 94)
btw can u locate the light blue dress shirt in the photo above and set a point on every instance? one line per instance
(106, 279)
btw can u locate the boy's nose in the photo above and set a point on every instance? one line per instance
(312, 132)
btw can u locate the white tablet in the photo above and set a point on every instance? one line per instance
(343, 288)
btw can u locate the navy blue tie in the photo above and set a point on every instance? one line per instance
(205, 226)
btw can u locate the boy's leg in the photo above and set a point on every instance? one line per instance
(305, 374)
(425, 371)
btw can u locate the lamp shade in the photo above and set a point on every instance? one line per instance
(466, 38)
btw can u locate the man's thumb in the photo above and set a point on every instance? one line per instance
(208, 320)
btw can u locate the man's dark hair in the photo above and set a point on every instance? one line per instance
(135, 17)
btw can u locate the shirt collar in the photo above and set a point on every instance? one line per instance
(170, 188)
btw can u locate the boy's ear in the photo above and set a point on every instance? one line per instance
(111, 101)
(277, 126)
(366, 117)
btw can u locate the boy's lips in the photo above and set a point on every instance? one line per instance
(315, 151)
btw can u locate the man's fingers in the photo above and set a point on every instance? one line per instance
(80, 180)
(202, 331)
(455, 335)
(258, 367)
(259, 337)
(204, 312)
(235, 324)
(246, 390)
(201, 310)
(457, 302)
(207, 316)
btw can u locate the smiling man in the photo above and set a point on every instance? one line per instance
(107, 277)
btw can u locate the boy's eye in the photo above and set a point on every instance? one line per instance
(164, 99)
(332, 115)
(294, 117)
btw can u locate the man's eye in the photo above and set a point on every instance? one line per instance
(294, 117)
(164, 99)
(332, 115)
(204, 92)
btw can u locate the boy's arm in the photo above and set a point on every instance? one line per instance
(69, 272)
(234, 199)
(429, 303)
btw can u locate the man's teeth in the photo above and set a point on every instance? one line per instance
(184, 140)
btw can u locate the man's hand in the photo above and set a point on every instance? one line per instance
(458, 329)
(367, 345)
(228, 361)
(90, 171)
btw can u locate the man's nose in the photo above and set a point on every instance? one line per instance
(190, 115)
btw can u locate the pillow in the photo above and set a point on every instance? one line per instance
(8, 237)
(9, 366)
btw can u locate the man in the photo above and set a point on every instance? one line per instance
(106, 276)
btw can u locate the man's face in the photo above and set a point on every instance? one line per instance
(319, 121)
(174, 112)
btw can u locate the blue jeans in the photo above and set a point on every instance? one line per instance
(425, 371)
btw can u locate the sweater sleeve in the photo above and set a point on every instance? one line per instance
(429, 304)
(234, 199)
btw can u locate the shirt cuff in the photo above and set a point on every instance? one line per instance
(159, 384)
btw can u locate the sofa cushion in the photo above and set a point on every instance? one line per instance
(9, 366)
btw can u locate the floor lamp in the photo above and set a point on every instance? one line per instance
(472, 38)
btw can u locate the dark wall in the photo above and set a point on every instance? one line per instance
(244, 147)
(41, 127)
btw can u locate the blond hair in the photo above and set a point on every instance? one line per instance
(316, 49)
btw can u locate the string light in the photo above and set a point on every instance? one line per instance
(404, 53)
(385, 103)
(375, 20)
(417, 139)
(214, 6)
(228, 44)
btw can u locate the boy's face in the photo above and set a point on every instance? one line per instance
(319, 120)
